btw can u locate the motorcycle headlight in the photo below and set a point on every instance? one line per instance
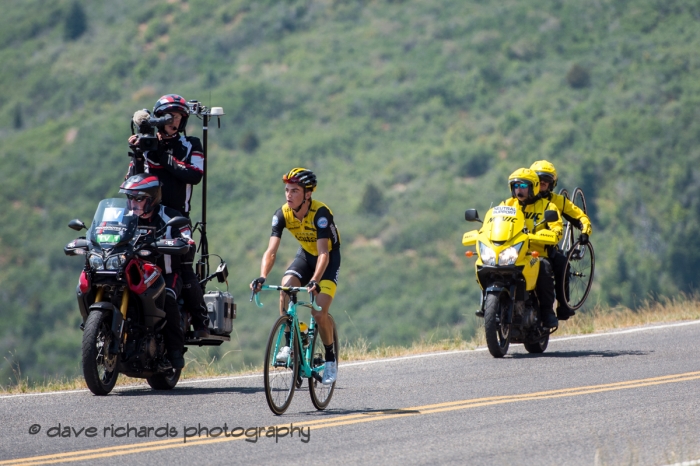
(488, 255)
(96, 262)
(509, 255)
(114, 262)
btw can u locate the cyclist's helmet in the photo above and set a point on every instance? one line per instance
(172, 103)
(143, 185)
(527, 176)
(546, 170)
(301, 176)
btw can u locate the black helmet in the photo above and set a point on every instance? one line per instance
(143, 185)
(172, 103)
(301, 176)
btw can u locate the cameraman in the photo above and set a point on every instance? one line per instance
(178, 162)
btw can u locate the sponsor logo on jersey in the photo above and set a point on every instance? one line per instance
(322, 222)
(275, 220)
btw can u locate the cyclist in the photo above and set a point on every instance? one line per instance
(548, 181)
(524, 186)
(317, 262)
(179, 164)
(143, 193)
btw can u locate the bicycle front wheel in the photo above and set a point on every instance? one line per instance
(280, 375)
(321, 394)
(567, 238)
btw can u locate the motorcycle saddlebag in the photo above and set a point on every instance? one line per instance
(222, 311)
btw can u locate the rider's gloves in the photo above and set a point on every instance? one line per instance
(583, 239)
(256, 282)
(313, 284)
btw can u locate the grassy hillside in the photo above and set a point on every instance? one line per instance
(409, 112)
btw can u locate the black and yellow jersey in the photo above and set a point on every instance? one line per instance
(317, 224)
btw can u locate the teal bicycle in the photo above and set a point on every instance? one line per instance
(306, 359)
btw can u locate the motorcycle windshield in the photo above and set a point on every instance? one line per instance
(113, 223)
(504, 223)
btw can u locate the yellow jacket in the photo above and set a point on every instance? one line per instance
(534, 213)
(571, 212)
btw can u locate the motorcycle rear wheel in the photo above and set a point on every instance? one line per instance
(497, 333)
(99, 366)
(164, 381)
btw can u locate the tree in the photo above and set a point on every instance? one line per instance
(75, 22)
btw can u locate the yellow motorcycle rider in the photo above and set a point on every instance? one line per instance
(524, 184)
(548, 181)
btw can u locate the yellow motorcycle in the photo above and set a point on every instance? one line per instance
(506, 270)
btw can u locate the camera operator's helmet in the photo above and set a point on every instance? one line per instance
(527, 176)
(172, 103)
(143, 185)
(301, 176)
(546, 171)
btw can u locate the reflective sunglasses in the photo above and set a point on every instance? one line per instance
(136, 198)
(520, 185)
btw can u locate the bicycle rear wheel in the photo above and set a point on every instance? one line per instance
(321, 394)
(280, 375)
(567, 238)
(578, 275)
(579, 200)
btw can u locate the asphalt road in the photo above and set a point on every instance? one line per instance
(627, 397)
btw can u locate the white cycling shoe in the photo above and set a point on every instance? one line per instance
(330, 372)
(283, 354)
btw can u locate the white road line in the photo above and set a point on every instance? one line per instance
(382, 361)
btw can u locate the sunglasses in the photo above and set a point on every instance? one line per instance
(136, 198)
(520, 185)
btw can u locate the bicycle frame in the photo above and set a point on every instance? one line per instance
(305, 355)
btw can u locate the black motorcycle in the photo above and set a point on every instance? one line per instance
(122, 296)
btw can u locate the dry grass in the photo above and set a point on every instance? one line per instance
(597, 320)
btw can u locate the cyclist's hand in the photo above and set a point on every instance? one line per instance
(314, 287)
(583, 239)
(256, 284)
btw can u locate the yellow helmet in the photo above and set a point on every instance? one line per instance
(545, 169)
(301, 176)
(527, 176)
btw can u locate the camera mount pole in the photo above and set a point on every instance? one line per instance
(203, 263)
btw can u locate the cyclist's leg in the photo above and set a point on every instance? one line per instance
(298, 272)
(328, 283)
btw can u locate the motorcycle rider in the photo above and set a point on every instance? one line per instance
(317, 262)
(548, 181)
(143, 194)
(179, 164)
(524, 186)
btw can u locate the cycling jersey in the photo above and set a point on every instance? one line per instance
(317, 224)
(571, 212)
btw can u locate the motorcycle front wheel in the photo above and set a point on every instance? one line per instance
(99, 365)
(164, 381)
(497, 333)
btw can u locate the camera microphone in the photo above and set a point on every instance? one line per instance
(140, 117)
(162, 121)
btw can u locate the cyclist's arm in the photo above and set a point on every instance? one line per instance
(575, 215)
(268, 259)
(323, 259)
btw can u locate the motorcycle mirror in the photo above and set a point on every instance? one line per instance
(471, 215)
(76, 225)
(177, 222)
(551, 216)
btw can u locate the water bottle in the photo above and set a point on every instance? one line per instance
(304, 330)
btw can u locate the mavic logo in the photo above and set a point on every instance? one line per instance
(533, 215)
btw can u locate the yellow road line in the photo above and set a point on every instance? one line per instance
(336, 421)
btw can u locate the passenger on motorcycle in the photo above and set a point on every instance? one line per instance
(317, 262)
(143, 193)
(548, 181)
(524, 186)
(179, 164)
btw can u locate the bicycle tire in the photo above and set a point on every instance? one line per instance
(578, 275)
(579, 200)
(279, 377)
(321, 394)
(567, 238)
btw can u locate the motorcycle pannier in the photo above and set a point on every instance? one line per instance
(222, 311)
